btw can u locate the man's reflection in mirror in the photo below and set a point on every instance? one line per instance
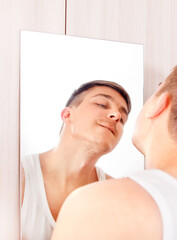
(93, 122)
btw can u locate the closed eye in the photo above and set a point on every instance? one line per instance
(101, 105)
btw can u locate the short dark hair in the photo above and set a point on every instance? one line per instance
(170, 86)
(76, 97)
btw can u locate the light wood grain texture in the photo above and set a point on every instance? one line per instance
(36, 15)
(120, 20)
(160, 47)
(148, 22)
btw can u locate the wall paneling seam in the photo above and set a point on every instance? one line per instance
(65, 17)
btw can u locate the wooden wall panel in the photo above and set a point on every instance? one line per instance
(36, 15)
(148, 22)
(120, 20)
(43, 15)
(160, 46)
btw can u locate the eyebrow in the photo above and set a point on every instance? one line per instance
(111, 98)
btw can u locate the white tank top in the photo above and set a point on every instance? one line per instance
(37, 222)
(163, 189)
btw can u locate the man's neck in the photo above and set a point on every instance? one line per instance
(69, 165)
(163, 156)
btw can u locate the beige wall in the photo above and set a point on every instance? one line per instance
(37, 15)
(152, 23)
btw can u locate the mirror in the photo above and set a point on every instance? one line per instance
(52, 66)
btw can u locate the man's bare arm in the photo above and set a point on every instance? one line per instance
(113, 209)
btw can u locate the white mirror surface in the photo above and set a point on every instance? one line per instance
(52, 66)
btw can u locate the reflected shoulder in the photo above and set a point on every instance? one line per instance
(108, 176)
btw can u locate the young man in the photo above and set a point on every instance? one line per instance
(143, 205)
(93, 122)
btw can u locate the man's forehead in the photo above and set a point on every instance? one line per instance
(107, 92)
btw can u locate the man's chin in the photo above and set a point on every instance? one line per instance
(100, 148)
(105, 148)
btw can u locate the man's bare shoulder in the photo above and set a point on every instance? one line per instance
(113, 209)
(108, 177)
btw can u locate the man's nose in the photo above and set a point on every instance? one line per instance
(116, 116)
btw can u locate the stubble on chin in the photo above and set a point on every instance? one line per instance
(97, 149)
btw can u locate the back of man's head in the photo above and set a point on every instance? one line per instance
(79, 94)
(170, 86)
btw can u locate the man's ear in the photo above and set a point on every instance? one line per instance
(159, 106)
(66, 115)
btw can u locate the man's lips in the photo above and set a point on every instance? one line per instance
(110, 128)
